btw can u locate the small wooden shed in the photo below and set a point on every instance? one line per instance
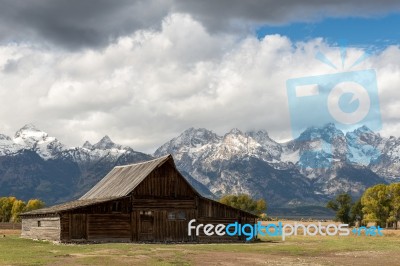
(143, 202)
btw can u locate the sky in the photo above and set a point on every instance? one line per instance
(144, 71)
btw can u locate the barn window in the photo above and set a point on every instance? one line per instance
(171, 216)
(116, 207)
(39, 224)
(177, 215)
(181, 215)
(146, 213)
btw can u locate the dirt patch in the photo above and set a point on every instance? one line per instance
(6, 232)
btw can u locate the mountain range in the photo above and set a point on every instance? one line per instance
(308, 170)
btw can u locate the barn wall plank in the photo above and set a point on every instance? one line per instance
(43, 228)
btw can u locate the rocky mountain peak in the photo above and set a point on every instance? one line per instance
(30, 127)
(105, 143)
(4, 137)
(87, 145)
(195, 137)
(367, 135)
(328, 133)
(261, 136)
(30, 131)
(235, 131)
(30, 137)
(363, 129)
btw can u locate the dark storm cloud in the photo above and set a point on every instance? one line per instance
(231, 14)
(75, 24)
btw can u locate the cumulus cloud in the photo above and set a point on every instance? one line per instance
(147, 87)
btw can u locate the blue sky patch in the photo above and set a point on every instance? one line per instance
(369, 33)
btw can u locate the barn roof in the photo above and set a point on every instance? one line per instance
(124, 179)
(118, 183)
(66, 206)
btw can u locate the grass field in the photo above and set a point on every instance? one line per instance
(299, 250)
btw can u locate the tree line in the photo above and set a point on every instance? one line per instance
(379, 204)
(246, 203)
(11, 208)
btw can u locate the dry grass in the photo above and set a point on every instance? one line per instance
(299, 250)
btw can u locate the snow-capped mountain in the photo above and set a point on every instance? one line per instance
(47, 147)
(30, 138)
(318, 164)
(34, 164)
(308, 170)
(387, 164)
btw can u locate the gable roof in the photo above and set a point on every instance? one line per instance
(122, 180)
(118, 183)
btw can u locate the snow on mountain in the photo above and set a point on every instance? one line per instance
(388, 162)
(323, 159)
(320, 163)
(29, 137)
(34, 164)
(364, 146)
(105, 148)
(7, 146)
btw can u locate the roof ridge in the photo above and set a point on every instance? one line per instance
(121, 180)
(159, 158)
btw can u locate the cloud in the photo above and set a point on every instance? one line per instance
(228, 14)
(147, 87)
(74, 24)
(77, 24)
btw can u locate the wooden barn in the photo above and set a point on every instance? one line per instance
(143, 202)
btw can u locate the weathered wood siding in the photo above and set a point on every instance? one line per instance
(161, 226)
(64, 227)
(212, 212)
(162, 205)
(106, 221)
(109, 227)
(44, 228)
(163, 183)
(209, 208)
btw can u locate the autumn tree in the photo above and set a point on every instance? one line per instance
(245, 202)
(11, 208)
(393, 191)
(34, 204)
(376, 204)
(6, 204)
(17, 208)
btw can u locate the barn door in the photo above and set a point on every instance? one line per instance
(78, 226)
(146, 226)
